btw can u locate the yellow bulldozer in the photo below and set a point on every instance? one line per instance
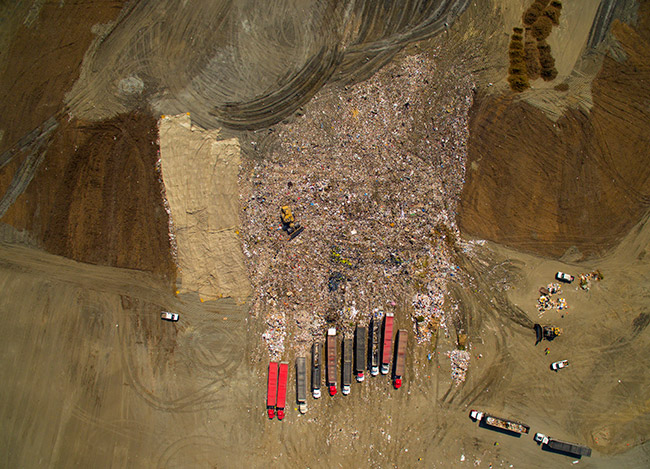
(289, 224)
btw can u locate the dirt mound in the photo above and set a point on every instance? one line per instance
(96, 197)
(580, 182)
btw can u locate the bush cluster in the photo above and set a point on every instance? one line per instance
(534, 11)
(518, 75)
(546, 61)
(542, 28)
(531, 56)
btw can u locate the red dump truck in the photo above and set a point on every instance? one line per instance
(272, 389)
(283, 376)
(387, 342)
(331, 360)
(400, 358)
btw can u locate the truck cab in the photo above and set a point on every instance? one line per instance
(541, 438)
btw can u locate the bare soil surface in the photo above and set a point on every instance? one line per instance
(580, 182)
(92, 377)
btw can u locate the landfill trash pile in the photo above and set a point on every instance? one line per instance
(587, 278)
(374, 173)
(546, 300)
(459, 365)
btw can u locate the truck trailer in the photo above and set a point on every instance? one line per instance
(283, 377)
(272, 389)
(301, 384)
(387, 343)
(315, 370)
(346, 379)
(562, 446)
(373, 347)
(331, 360)
(498, 422)
(360, 352)
(400, 358)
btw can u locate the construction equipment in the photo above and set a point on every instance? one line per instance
(546, 332)
(289, 224)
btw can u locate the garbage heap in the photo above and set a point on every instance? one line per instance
(374, 173)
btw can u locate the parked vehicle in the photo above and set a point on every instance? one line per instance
(167, 316)
(559, 365)
(301, 384)
(315, 370)
(331, 360)
(346, 381)
(562, 277)
(400, 358)
(387, 343)
(562, 446)
(373, 347)
(283, 376)
(360, 352)
(498, 422)
(272, 389)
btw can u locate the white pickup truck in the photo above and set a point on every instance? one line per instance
(167, 316)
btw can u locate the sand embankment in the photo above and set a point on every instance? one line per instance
(200, 175)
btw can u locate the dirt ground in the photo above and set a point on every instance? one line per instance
(93, 377)
(546, 186)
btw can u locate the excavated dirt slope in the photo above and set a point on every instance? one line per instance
(580, 182)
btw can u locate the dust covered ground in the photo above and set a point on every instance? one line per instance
(92, 377)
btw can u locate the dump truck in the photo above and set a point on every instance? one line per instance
(360, 352)
(272, 389)
(562, 446)
(315, 370)
(546, 332)
(331, 360)
(301, 384)
(289, 224)
(373, 347)
(346, 379)
(498, 422)
(400, 358)
(283, 376)
(387, 343)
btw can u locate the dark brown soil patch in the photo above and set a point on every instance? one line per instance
(43, 62)
(97, 198)
(583, 181)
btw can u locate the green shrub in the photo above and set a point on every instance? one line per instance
(549, 74)
(531, 56)
(518, 83)
(542, 28)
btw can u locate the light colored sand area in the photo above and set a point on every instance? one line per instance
(200, 176)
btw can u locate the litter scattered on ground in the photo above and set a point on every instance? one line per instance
(459, 365)
(546, 300)
(587, 278)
